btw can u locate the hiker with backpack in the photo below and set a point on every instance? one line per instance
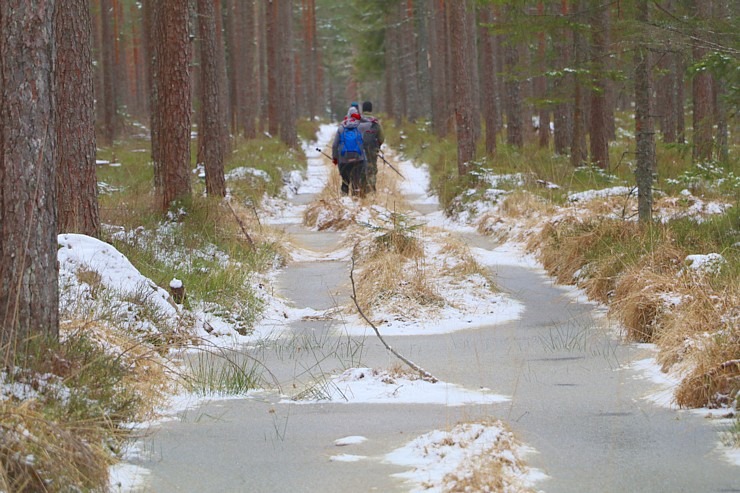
(372, 139)
(348, 153)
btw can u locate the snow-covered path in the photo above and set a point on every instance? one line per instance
(556, 375)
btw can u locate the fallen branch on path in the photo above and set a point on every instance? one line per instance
(425, 375)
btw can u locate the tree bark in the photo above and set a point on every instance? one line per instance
(108, 58)
(77, 186)
(578, 151)
(209, 134)
(644, 134)
(541, 86)
(287, 101)
(514, 124)
(564, 111)
(702, 90)
(598, 132)
(462, 68)
(29, 299)
(488, 78)
(438, 62)
(173, 101)
(273, 65)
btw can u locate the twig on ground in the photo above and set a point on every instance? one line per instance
(241, 224)
(425, 375)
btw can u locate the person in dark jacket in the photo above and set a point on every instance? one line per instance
(347, 152)
(372, 138)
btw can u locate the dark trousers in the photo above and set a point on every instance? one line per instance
(353, 177)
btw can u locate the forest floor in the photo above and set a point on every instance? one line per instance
(536, 388)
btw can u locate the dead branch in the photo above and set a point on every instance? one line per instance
(425, 375)
(241, 225)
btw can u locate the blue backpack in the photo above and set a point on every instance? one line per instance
(350, 145)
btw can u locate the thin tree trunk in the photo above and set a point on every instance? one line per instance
(438, 63)
(541, 86)
(108, 96)
(209, 134)
(29, 299)
(77, 185)
(702, 89)
(643, 124)
(462, 67)
(273, 66)
(578, 151)
(151, 23)
(246, 88)
(488, 78)
(564, 111)
(599, 138)
(514, 124)
(287, 114)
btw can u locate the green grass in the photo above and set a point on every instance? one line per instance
(223, 374)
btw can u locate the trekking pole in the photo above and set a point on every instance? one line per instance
(390, 165)
(325, 154)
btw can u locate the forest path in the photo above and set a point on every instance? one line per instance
(573, 399)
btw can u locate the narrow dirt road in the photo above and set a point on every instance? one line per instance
(572, 395)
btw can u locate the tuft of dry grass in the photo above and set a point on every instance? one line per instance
(328, 214)
(496, 471)
(391, 280)
(41, 454)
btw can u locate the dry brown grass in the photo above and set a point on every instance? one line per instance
(638, 272)
(495, 472)
(464, 263)
(391, 281)
(59, 447)
(39, 454)
(328, 214)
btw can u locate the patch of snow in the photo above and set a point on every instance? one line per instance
(710, 263)
(243, 172)
(439, 457)
(347, 458)
(124, 477)
(599, 194)
(366, 385)
(350, 440)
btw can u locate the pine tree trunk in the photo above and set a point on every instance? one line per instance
(644, 134)
(438, 60)
(173, 104)
(150, 16)
(514, 123)
(246, 87)
(77, 185)
(599, 138)
(273, 66)
(108, 58)
(232, 63)
(223, 81)
(541, 86)
(578, 151)
(287, 114)
(488, 78)
(209, 134)
(462, 68)
(702, 89)
(29, 299)
(563, 134)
